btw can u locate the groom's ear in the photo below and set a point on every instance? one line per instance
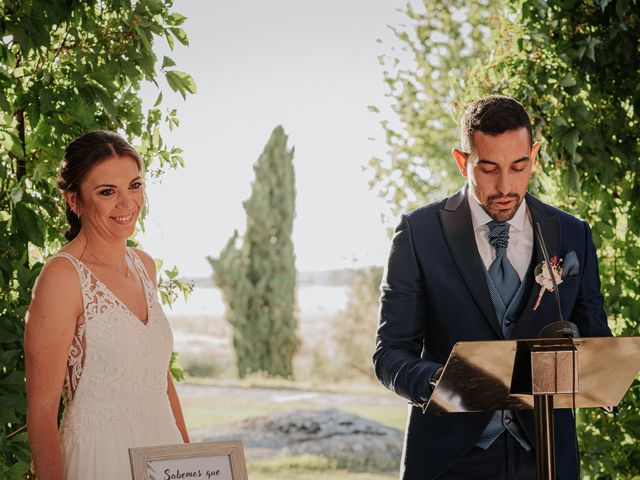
(535, 148)
(461, 159)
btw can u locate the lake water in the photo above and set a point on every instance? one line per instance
(199, 326)
(207, 301)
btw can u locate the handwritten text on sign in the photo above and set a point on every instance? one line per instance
(203, 468)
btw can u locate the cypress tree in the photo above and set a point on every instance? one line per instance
(257, 278)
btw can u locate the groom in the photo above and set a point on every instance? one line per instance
(462, 269)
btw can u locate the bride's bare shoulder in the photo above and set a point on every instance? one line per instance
(55, 309)
(59, 280)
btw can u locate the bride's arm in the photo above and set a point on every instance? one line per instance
(50, 326)
(177, 409)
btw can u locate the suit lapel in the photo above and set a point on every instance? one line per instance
(550, 227)
(456, 222)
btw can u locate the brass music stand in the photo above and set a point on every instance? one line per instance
(542, 375)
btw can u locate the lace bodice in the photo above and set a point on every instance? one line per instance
(114, 354)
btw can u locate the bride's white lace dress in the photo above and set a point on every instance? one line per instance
(115, 390)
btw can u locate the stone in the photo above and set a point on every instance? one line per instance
(354, 442)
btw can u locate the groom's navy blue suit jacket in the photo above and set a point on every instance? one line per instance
(434, 294)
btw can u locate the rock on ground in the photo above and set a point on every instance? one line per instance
(353, 441)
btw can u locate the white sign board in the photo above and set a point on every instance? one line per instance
(202, 461)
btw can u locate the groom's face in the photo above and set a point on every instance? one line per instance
(498, 170)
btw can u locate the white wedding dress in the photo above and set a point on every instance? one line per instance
(115, 390)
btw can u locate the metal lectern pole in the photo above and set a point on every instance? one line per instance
(545, 443)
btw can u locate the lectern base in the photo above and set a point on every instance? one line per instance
(545, 445)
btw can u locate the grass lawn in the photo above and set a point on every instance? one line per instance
(309, 467)
(203, 413)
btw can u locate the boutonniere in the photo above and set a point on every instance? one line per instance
(543, 277)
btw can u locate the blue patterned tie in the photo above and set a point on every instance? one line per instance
(507, 282)
(502, 273)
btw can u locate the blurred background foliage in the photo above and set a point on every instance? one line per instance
(354, 330)
(575, 66)
(66, 68)
(425, 70)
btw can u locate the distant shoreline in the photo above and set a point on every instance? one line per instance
(334, 278)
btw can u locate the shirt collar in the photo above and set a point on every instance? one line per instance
(480, 218)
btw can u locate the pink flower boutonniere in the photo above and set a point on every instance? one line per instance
(543, 278)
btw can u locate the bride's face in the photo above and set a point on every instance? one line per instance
(111, 198)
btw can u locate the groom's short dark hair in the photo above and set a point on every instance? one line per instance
(492, 115)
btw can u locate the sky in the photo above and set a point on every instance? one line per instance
(311, 67)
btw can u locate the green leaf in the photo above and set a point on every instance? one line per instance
(180, 35)
(590, 48)
(633, 425)
(568, 81)
(29, 224)
(14, 378)
(18, 470)
(152, 6)
(169, 37)
(180, 82)
(591, 55)
(167, 62)
(7, 401)
(16, 194)
(104, 98)
(604, 3)
(173, 273)
(573, 180)
(175, 368)
(155, 138)
(176, 19)
(570, 141)
(24, 277)
(621, 7)
(9, 356)
(11, 143)
(158, 100)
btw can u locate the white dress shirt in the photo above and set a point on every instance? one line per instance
(520, 236)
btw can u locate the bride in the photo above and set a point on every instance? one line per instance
(95, 331)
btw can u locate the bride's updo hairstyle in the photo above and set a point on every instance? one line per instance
(80, 156)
